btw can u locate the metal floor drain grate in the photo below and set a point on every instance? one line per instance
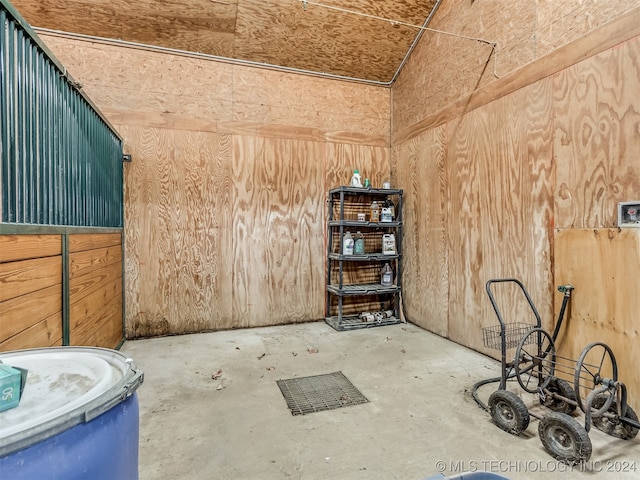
(319, 392)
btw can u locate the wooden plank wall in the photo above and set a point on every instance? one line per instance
(31, 293)
(95, 289)
(526, 185)
(225, 198)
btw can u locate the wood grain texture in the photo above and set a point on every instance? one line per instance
(274, 32)
(31, 294)
(341, 159)
(419, 168)
(413, 115)
(335, 107)
(324, 40)
(180, 237)
(560, 22)
(500, 217)
(597, 137)
(108, 330)
(444, 68)
(25, 276)
(21, 247)
(21, 313)
(92, 241)
(95, 290)
(178, 92)
(45, 333)
(277, 231)
(202, 82)
(604, 266)
(104, 268)
(137, 81)
(100, 311)
(178, 213)
(30, 291)
(86, 262)
(198, 25)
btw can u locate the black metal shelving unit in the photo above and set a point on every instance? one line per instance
(343, 204)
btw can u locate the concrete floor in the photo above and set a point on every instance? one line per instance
(420, 420)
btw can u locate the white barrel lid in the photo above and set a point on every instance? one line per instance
(59, 381)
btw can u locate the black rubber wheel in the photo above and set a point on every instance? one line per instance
(564, 438)
(613, 426)
(535, 360)
(564, 388)
(508, 411)
(596, 366)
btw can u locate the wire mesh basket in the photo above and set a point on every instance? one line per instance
(513, 333)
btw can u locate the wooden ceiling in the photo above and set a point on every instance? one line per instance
(294, 34)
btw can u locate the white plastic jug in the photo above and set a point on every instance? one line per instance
(356, 180)
(389, 244)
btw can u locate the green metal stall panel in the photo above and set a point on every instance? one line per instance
(61, 162)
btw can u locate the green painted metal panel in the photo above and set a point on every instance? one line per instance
(61, 161)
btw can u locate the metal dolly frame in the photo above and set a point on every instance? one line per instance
(596, 390)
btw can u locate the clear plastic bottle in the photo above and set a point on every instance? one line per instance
(375, 212)
(347, 244)
(356, 180)
(386, 275)
(358, 248)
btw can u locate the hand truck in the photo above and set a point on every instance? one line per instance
(539, 369)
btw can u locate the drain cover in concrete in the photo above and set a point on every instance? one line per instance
(319, 392)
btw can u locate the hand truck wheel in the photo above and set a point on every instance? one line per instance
(562, 388)
(508, 411)
(609, 422)
(535, 359)
(564, 438)
(595, 367)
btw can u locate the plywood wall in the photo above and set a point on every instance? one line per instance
(596, 148)
(178, 210)
(597, 137)
(150, 89)
(225, 199)
(277, 231)
(479, 191)
(445, 68)
(528, 185)
(498, 214)
(227, 231)
(604, 265)
(419, 167)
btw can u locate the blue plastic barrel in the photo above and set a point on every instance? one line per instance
(78, 416)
